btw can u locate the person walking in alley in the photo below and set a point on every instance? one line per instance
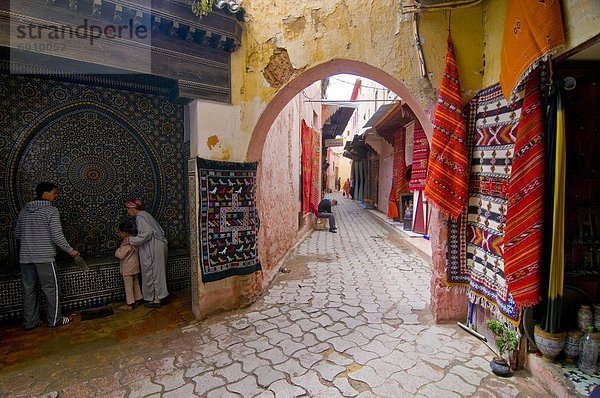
(324, 211)
(152, 245)
(347, 188)
(39, 231)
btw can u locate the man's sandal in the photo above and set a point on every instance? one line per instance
(64, 321)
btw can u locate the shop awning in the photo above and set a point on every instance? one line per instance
(337, 120)
(389, 118)
(356, 149)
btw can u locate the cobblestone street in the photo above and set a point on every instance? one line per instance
(350, 319)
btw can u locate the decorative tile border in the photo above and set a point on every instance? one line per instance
(101, 285)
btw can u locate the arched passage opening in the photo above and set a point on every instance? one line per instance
(281, 201)
(329, 68)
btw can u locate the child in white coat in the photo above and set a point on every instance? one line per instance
(130, 265)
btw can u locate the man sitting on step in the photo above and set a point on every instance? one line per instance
(324, 211)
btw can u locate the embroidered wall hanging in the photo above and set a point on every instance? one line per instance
(306, 137)
(533, 30)
(448, 175)
(457, 272)
(227, 221)
(493, 140)
(523, 253)
(420, 158)
(315, 181)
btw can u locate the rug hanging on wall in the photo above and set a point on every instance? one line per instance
(457, 272)
(315, 182)
(420, 158)
(448, 175)
(399, 168)
(493, 150)
(228, 222)
(306, 137)
(523, 252)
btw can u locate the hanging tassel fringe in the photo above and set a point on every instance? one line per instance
(482, 302)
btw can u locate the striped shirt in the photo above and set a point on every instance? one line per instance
(38, 228)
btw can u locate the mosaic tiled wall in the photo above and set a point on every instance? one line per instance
(102, 285)
(100, 146)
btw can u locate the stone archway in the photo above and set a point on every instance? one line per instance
(321, 71)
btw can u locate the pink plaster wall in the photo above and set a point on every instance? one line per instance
(447, 304)
(278, 190)
(276, 196)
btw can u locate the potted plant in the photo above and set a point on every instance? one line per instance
(507, 340)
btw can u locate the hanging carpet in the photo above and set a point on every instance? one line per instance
(227, 222)
(399, 168)
(306, 137)
(493, 140)
(533, 30)
(420, 158)
(523, 251)
(457, 273)
(447, 179)
(315, 179)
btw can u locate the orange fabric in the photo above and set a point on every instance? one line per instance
(532, 29)
(392, 206)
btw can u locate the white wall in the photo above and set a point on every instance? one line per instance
(213, 127)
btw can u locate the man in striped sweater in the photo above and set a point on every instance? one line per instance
(39, 231)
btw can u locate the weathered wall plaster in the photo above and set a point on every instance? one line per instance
(582, 21)
(214, 130)
(466, 27)
(278, 199)
(313, 32)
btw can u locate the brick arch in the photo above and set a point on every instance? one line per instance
(319, 72)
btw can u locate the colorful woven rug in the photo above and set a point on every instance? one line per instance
(457, 273)
(306, 137)
(228, 223)
(525, 215)
(533, 30)
(399, 168)
(315, 175)
(447, 180)
(420, 158)
(493, 140)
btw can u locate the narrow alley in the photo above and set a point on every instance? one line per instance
(350, 319)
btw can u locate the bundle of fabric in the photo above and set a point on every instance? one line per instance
(227, 223)
(493, 147)
(447, 179)
(420, 158)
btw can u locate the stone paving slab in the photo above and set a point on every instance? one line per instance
(357, 326)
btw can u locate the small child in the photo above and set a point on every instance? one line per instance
(130, 265)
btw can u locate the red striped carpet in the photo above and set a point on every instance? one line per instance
(447, 181)
(525, 214)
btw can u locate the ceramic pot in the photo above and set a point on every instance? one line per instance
(572, 348)
(585, 317)
(500, 367)
(549, 344)
(597, 317)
